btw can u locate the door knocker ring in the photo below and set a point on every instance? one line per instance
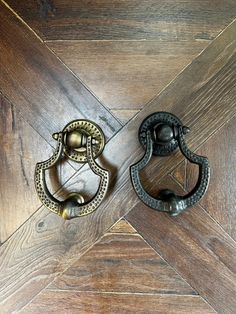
(161, 134)
(81, 141)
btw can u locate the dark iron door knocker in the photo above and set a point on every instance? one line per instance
(81, 141)
(161, 134)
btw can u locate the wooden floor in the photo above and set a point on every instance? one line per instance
(115, 62)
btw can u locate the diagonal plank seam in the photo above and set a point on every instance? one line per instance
(225, 271)
(73, 73)
(203, 142)
(203, 208)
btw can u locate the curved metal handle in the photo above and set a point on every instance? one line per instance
(74, 205)
(168, 201)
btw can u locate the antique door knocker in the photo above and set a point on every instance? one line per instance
(81, 141)
(161, 134)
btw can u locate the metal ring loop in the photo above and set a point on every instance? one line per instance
(74, 205)
(168, 201)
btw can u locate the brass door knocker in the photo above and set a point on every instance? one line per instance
(82, 141)
(161, 134)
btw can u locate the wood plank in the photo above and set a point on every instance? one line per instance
(129, 19)
(46, 93)
(124, 115)
(203, 96)
(196, 246)
(122, 226)
(89, 303)
(179, 174)
(21, 147)
(120, 268)
(220, 200)
(125, 75)
(122, 263)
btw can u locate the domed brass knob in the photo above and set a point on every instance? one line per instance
(81, 141)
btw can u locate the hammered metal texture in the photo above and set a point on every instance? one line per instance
(70, 208)
(91, 129)
(174, 204)
(92, 205)
(39, 178)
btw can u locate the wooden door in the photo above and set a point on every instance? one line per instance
(115, 63)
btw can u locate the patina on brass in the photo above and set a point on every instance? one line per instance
(75, 139)
(81, 141)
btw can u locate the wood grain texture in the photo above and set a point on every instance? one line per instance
(122, 263)
(119, 274)
(46, 93)
(126, 51)
(122, 226)
(179, 174)
(21, 147)
(203, 97)
(220, 200)
(196, 246)
(129, 19)
(124, 115)
(125, 75)
(97, 303)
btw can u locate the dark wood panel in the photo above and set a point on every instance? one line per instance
(97, 303)
(148, 19)
(203, 96)
(122, 263)
(196, 246)
(121, 267)
(21, 148)
(126, 74)
(46, 93)
(220, 201)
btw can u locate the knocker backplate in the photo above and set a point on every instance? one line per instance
(90, 129)
(151, 123)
